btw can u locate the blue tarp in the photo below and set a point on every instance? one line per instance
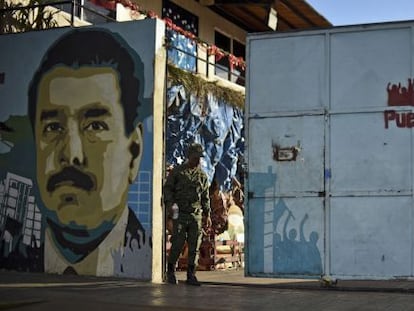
(182, 51)
(213, 123)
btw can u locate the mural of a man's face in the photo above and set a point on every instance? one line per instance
(84, 162)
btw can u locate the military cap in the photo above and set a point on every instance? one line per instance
(195, 149)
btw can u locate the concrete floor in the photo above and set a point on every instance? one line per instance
(221, 290)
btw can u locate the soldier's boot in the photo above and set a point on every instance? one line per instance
(171, 279)
(191, 278)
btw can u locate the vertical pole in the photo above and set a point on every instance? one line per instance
(72, 15)
(207, 63)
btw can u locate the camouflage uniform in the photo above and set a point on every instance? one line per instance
(188, 188)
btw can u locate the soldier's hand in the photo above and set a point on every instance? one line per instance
(169, 225)
(208, 222)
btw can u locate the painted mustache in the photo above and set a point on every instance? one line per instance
(72, 176)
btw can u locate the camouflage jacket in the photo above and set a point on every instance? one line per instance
(188, 187)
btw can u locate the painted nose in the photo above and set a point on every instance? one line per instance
(72, 149)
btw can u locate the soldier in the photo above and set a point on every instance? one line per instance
(187, 187)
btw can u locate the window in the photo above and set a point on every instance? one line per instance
(239, 50)
(223, 67)
(96, 12)
(182, 51)
(93, 11)
(67, 7)
(222, 64)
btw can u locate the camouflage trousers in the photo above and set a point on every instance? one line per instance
(185, 228)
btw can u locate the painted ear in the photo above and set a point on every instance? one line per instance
(135, 147)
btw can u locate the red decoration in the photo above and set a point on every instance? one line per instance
(107, 4)
(152, 14)
(211, 49)
(214, 50)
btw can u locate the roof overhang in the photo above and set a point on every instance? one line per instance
(259, 15)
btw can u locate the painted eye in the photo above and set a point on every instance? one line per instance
(96, 126)
(53, 127)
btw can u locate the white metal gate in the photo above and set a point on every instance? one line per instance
(330, 152)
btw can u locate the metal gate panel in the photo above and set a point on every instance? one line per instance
(299, 59)
(286, 236)
(363, 156)
(292, 149)
(364, 62)
(371, 237)
(286, 196)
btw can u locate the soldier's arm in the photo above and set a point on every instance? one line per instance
(205, 197)
(169, 189)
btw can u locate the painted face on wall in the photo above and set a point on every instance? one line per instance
(84, 162)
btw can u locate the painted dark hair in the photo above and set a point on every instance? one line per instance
(96, 47)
